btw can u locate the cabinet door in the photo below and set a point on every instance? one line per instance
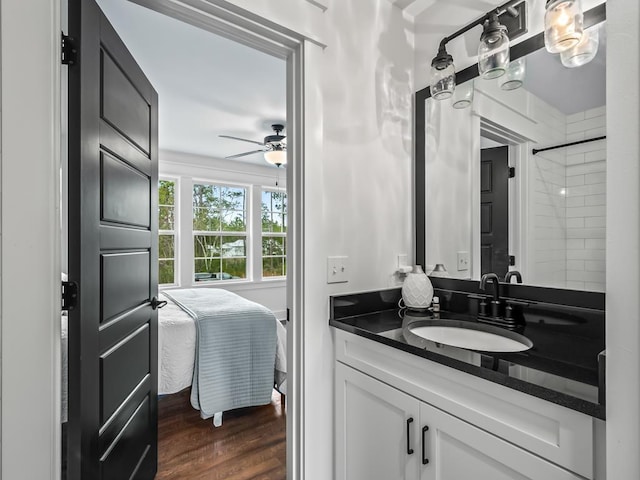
(372, 423)
(456, 450)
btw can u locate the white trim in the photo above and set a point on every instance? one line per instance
(30, 304)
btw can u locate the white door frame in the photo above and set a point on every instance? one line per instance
(30, 171)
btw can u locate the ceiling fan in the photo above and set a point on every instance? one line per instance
(273, 146)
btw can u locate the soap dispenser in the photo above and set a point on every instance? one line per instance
(417, 290)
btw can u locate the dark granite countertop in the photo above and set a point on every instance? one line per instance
(553, 369)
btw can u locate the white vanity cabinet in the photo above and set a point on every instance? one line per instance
(477, 430)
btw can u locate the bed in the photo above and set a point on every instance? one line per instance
(241, 358)
(177, 339)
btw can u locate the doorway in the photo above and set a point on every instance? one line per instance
(291, 180)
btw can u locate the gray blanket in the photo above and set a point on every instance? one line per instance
(235, 349)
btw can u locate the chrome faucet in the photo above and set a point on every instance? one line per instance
(495, 303)
(511, 274)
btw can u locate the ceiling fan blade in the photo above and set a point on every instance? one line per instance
(241, 139)
(245, 153)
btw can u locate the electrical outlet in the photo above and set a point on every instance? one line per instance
(337, 269)
(463, 261)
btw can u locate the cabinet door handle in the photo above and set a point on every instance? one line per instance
(409, 449)
(425, 460)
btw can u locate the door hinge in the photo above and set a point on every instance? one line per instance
(69, 295)
(512, 260)
(69, 50)
(288, 320)
(512, 172)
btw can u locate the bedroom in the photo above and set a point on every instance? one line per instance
(222, 221)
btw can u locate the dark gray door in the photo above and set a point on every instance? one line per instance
(113, 253)
(494, 210)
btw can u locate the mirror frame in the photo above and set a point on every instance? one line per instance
(591, 17)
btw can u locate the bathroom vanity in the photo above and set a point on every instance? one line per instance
(410, 408)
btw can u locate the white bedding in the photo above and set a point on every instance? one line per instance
(176, 349)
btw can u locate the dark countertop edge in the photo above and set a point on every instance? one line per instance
(562, 399)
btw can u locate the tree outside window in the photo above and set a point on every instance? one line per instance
(219, 232)
(166, 232)
(274, 233)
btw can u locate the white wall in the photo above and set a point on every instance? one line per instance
(188, 168)
(623, 239)
(358, 189)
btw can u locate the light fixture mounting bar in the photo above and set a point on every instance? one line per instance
(506, 7)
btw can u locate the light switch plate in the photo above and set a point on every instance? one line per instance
(337, 269)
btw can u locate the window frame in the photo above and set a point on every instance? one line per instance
(174, 232)
(247, 234)
(282, 235)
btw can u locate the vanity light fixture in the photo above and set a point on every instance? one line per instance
(493, 51)
(562, 24)
(443, 75)
(514, 78)
(584, 51)
(463, 95)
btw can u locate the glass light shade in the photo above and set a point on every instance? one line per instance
(514, 78)
(443, 81)
(562, 25)
(493, 53)
(583, 52)
(463, 95)
(276, 157)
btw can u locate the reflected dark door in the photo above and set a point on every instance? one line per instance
(113, 253)
(494, 210)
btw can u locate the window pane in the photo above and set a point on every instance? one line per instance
(206, 246)
(277, 222)
(234, 268)
(234, 246)
(206, 270)
(166, 218)
(166, 192)
(234, 221)
(273, 246)
(206, 220)
(273, 267)
(233, 198)
(166, 246)
(166, 271)
(207, 196)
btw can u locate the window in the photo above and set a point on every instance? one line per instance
(274, 234)
(166, 231)
(219, 232)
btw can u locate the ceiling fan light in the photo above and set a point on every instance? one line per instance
(562, 24)
(276, 157)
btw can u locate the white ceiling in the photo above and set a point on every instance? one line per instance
(207, 85)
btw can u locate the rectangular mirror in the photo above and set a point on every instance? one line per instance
(517, 180)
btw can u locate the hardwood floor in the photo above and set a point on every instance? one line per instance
(250, 444)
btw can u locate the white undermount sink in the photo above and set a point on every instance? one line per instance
(472, 336)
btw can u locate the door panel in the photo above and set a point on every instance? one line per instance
(122, 106)
(122, 368)
(125, 193)
(113, 251)
(494, 210)
(125, 282)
